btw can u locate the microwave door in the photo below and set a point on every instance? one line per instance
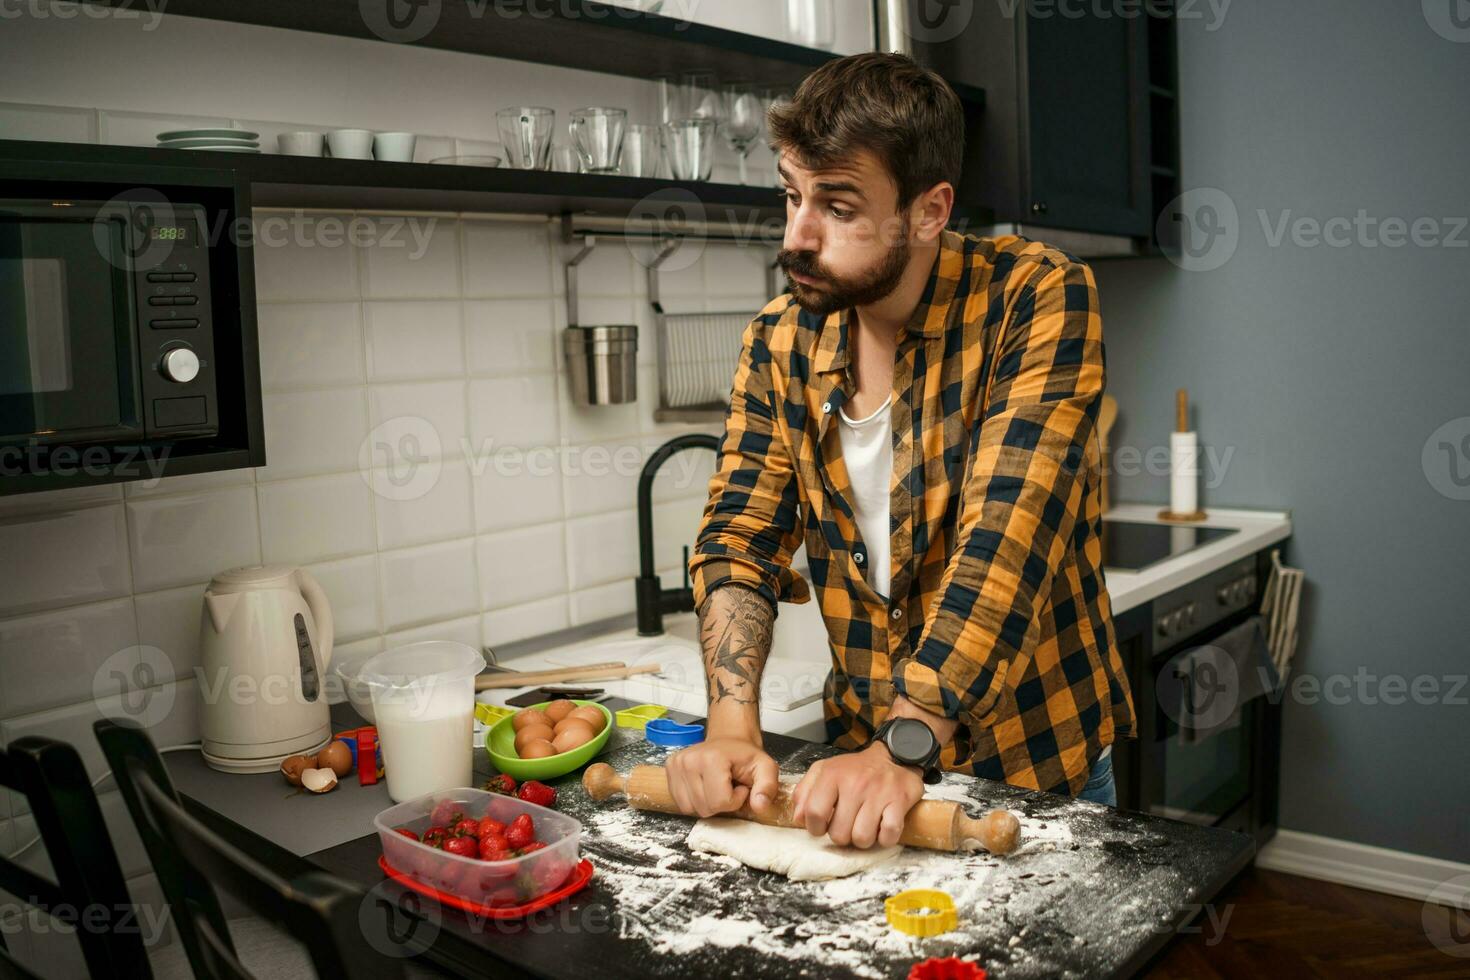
(67, 360)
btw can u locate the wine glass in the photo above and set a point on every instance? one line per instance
(701, 96)
(742, 124)
(773, 97)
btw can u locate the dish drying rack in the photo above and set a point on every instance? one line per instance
(697, 352)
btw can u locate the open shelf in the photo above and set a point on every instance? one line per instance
(581, 34)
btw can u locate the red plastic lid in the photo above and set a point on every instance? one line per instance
(581, 874)
(949, 968)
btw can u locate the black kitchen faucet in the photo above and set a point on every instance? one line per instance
(653, 599)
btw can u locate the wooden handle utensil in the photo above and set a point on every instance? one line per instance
(531, 678)
(939, 825)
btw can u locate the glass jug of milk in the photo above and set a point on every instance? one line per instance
(424, 705)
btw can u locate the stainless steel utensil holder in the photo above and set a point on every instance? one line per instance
(602, 361)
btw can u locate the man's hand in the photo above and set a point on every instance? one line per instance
(859, 798)
(719, 774)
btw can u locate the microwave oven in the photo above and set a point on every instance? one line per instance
(127, 335)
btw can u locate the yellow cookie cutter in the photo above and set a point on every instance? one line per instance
(921, 912)
(640, 715)
(491, 713)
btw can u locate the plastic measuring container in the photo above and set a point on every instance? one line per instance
(424, 705)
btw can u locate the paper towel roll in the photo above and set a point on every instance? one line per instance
(1183, 472)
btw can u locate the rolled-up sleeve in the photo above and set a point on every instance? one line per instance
(751, 525)
(1029, 455)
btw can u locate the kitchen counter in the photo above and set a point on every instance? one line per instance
(1092, 892)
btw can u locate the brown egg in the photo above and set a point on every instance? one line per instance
(593, 716)
(574, 736)
(569, 723)
(532, 733)
(537, 749)
(293, 766)
(557, 710)
(528, 716)
(336, 757)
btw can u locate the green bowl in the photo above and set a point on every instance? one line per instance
(500, 742)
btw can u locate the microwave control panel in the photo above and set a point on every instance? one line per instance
(175, 319)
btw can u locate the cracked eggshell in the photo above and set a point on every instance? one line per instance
(319, 780)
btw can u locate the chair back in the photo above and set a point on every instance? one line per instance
(89, 891)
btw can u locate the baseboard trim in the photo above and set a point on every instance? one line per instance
(1363, 866)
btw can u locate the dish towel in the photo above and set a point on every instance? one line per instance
(1203, 689)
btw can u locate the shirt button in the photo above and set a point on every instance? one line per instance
(826, 407)
(858, 557)
(897, 613)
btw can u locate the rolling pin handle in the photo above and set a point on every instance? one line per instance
(601, 781)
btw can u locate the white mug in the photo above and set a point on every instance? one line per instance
(350, 144)
(300, 144)
(397, 147)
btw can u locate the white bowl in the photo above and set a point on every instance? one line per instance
(358, 694)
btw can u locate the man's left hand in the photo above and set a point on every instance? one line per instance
(858, 798)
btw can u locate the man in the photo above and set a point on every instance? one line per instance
(919, 412)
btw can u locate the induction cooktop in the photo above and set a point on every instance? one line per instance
(1133, 546)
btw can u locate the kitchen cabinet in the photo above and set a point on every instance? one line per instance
(1080, 131)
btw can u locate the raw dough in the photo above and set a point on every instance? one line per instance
(789, 851)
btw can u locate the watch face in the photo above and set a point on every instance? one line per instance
(911, 739)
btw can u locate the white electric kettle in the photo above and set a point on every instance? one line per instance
(266, 638)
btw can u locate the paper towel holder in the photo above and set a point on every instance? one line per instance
(1181, 427)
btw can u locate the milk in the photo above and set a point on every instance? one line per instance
(426, 755)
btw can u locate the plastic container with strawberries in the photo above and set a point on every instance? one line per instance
(492, 864)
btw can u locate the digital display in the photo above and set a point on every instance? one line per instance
(182, 232)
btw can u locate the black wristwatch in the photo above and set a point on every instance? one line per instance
(911, 743)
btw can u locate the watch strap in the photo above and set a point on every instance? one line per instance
(929, 765)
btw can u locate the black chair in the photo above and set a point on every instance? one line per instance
(89, 881)
(320, 911)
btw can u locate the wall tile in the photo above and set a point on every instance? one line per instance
(192, 483)
(602, 549)
(602, 477)
(428, 584)
(603, 602)
(518, 412)
(308, 432)
(414, 339)
(506, 258)
(511, 336)
(75, 498)
(312, 260)
(309, 345)
(445, 510)
(63, 558)
(126, 128)
(464, 630)
(412, 256)
(55, 658)
(352, 590)
(180, 539)
(20, 121)
(169, 621)
(315, 519)
(406, 407)
(517, 566)
(608, 271)
(535, 618)
(675, 525)
(513, 489)
(607, 424)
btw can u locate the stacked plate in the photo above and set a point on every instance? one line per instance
(223, 140)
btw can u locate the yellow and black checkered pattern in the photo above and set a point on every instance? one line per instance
(998, 613)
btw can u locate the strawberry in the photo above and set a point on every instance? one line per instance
(446, 813)
(535, 845)
(538, 793)
(502, 783)
(463, 846)
(504, 895)
(435, 835)
(492, 849)
(406, 833)
(489, 826)
(467, 828)
(497, 841)
(521, 832)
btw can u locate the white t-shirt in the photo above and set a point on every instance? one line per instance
(867, 451)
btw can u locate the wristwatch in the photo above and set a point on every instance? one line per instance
(911, 743)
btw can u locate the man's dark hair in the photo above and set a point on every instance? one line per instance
(888, 104)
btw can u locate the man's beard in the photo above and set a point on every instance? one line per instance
(834, 294)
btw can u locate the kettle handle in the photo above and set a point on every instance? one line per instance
(321, 612)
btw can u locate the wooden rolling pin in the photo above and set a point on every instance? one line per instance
(940, 825)
(531, 678)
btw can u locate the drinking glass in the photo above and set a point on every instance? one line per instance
(526, 133)
(689, 145)
(565, 159)
(597, 133)
(641, 152)
(743, 117)
(811, 23)
(701, 95)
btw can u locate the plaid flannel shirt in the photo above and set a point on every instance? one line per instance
(998, 614)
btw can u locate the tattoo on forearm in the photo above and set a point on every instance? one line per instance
(735, 633)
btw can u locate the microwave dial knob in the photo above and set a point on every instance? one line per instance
(180, 364)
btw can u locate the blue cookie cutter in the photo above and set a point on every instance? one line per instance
(662, 731)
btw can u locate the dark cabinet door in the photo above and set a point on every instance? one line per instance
(1085, 103)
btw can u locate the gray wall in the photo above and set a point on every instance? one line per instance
(1326, 370)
